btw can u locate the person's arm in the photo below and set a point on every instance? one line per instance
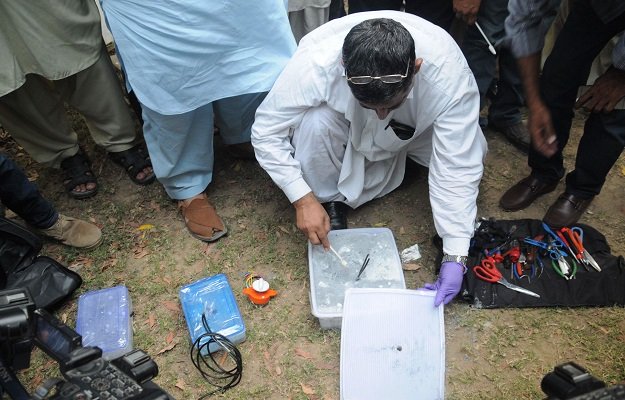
(539, 123)
(609, 88)
(526, 26)
(456, 168)
(312, 219)
(467, 10)
(527, 23)
(298, 88)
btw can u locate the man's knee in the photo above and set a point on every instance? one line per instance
(321, 125)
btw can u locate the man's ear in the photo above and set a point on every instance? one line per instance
(417, 64)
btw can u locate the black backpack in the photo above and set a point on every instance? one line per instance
(49, 282)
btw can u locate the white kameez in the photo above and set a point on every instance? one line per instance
(443, 106)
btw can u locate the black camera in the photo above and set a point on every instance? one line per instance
(87, 375)
(569, 381)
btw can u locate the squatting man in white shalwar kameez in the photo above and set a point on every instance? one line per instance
(323, 135)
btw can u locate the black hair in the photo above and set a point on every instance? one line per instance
(377, 47)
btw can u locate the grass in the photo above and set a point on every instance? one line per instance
(490, 354)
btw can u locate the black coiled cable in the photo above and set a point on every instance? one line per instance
(210, 369)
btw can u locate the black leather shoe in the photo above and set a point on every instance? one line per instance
(525, 192)
(516, 134)
(337, 212)
(566, 210)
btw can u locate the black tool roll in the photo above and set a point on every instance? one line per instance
(588, 288)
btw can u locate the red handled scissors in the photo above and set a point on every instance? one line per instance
(576, 235)
(487, 271)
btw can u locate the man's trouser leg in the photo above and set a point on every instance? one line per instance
(22, 197)
(97, 94)
(438, 12)
(505, 106)
(181, 145)
(599, 149)
(567, 67)
(374, 5)
(319, 142)
(35, 116)
(306, 20)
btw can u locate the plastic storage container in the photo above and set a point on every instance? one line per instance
(213, 297)
(103, 320)
(392, 345)
(329, 278)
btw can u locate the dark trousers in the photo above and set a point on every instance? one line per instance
(22, 197)
(337, 9)
(439, 12)
(506, 103)
(567, 67)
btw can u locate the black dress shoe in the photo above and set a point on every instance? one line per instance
(516, 134)
(337, 212)
(566, 210)
(525, 192)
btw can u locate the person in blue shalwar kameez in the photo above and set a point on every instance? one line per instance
(194, 64)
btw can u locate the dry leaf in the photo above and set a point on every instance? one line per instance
(307, 389)
(267, 356)
(278, 370)
(623, 171)
(208, 248)
(166, 348)
(283, 229)
(237, 167)
(171, 305)
(151, 320)
(180, 384)
(411, 267)
(81, 262)
(379, 224)
(167, 280)
(402, 230)
(170, 337)
(140, 253)
(221, 356)
(111, 262)
(145, 227)
(303, 354)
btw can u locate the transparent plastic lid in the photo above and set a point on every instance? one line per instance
(103, 320)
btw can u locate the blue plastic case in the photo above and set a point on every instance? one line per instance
(103, 320)
(212, 296)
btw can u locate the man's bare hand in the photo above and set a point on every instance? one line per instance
(607, 90)
(312, 220)
(541, 130)
(467, 10)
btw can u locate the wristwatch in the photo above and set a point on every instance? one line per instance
(462, 260)
(459, 259)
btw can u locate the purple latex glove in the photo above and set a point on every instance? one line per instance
(448, 283)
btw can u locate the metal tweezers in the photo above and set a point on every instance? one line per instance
(364, 265)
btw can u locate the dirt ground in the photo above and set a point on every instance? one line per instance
(490, 354)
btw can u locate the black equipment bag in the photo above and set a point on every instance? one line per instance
(588, 288)
(49, 282)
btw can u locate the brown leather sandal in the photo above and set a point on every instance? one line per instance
(201, 219)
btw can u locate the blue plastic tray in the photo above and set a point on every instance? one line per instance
(213, 297)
